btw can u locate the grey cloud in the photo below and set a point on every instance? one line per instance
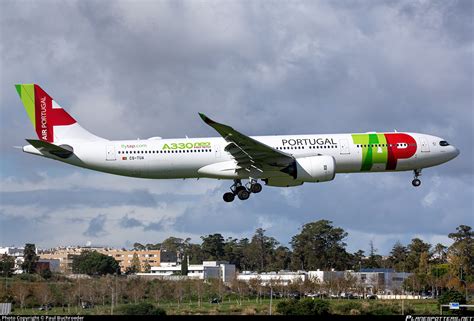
(96, 226)
(154, 226)
(129, 222)
(80, 197)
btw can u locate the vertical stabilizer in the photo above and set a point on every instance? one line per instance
(51, 122)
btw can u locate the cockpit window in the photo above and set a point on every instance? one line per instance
(443, 143)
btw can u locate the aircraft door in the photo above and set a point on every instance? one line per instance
(110, 154)
(344, 146)
(218, 151)
(424, 145)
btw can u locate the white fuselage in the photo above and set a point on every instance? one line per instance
(206, 157)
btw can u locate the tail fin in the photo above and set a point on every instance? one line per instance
(51, 122)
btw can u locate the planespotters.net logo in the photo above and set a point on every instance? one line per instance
(437, 318)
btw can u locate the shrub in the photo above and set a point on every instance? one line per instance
(140, 309)
(303, 307)
(385, 308)
(452, 296)
(347, 307)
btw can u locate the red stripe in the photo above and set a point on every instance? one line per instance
(47, 117)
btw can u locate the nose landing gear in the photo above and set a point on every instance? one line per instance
(242, 192)
(416, 182)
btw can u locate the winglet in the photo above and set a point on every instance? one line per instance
(206, 119)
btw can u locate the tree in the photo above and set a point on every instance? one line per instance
(260, 252)
(184, 266)
(356, 260)
(233, 252)
(136, 289)
(374, 259)
(452, 296)
(440, 253)
(151, 247)
(198, 290)
(95, 263)
(243, 246)
(178, 292)
(423, 273)
(7, 265)
(195, 253)
(462, 251)
(21, 291)
(158, 289)
(175, 244)
(42, 293)
(319, 245)
(30, 258)
(147, 267)
(135, 266)
(213, 246)
(138, 246)
(439, 273)
(281, 259)
(415, 249)
(398, 257)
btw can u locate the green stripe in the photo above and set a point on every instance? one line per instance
(368, 160)
(380, 158)
(27, 95)
(371, 155)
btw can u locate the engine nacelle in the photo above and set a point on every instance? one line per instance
(314, 169)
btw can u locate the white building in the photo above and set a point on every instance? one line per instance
(17, 253)
(281, 277)
(12, 251)
(207, 270)
(319, 276)
(385, 281)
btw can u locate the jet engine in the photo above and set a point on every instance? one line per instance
(313, 169)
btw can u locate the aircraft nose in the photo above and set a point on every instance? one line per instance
(456, 152)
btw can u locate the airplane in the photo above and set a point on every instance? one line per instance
(281, 161)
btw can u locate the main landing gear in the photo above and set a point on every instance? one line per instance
(416, 182)
(242, 192)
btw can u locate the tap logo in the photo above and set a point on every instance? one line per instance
(384, 149)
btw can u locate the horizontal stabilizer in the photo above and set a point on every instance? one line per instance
(62, 151)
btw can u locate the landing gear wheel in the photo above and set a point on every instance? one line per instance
(256, 188)
(228, 197)
(416, 182)
(243, 194)
(239, 188)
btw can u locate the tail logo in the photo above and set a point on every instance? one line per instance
(44, 112)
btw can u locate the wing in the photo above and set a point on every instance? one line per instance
(249, 153)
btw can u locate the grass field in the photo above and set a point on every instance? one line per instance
(248, 307)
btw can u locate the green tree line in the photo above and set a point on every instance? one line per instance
(318, 245)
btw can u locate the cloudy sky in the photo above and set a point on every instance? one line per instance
(142, 69)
